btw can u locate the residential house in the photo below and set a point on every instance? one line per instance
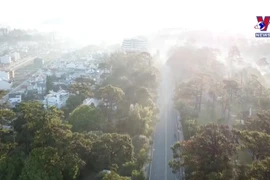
(90, 101)
(38, 83)
(15, 56)
(57, 99)
(5, 59)
(81, 67)
(5, 75)
(71, 65)
(14, 99)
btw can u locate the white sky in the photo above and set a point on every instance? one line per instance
(113, 19)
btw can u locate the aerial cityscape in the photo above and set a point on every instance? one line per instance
(129, 90)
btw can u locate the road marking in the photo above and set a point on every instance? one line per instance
(165, 120)
(152, 155)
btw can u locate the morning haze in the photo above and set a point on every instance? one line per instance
(134, 90)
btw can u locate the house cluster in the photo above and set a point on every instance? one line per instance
(9, 58)
(62, 73)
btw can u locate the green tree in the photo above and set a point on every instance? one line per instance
(111, 97)
(2, 93)
(259, 170)
(82, 86)
(146, 77)
(104, 66)
(30, 119)
(144, 97)
(138, 122)
(137, 175)
(207, 154)
(43, 163)
(114, 176)
(261, 122)
(86, 118)
(112, 149)
(11, 164)
(140, 142)
(256, 143)
(7, 117)
(49, 84)
(47, 163)
(72, 102)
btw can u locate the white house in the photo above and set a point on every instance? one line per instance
(93, 66)
(5, 59)
(15, 56)
(59, 74)
(71, 65)
(14, 99)
(57, 99)
(49, 73)
(93, 101)
(4, 75)
(81, 67)
(38, 83)
(5, 85)
(135, 44)
(40, 88)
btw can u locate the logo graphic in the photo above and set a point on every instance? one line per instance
(262, 25)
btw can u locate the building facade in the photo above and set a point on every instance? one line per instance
(5, 75)
(15, 56)
(135, 45)
(6, 59)
(14, 99)
(57, 99)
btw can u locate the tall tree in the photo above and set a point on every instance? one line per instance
(111, 96)
(72, 102)
(206, 155)
(86, 118)
(114, 176)
(112, 149)
(256, 143)
(82, 87)
(49, 84)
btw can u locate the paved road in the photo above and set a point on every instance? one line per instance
(18, 64)
(165, 130)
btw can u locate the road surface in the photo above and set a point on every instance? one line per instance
(165, 130)
(18, 64)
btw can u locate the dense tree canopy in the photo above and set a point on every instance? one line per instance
(206, 154)
(86, 118)
(233, 94)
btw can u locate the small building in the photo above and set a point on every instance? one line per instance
(38, 62)
(5, 75)
(14, 99)
(92, 101)
(15, 56)
(57, 99)
(139, 44)
(5, 59)
(38, 87)
(71, 66)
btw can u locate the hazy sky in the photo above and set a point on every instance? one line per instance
(114, 19)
